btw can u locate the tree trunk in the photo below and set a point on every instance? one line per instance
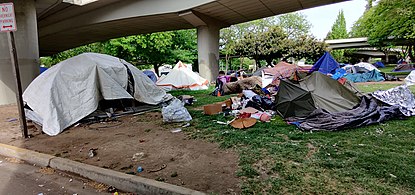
(226, 64)
(411, 53)
(257, 63)
(156, 68)
(242, 63)
(269, 61)
(386, 52)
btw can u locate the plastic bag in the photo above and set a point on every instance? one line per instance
(175, 112)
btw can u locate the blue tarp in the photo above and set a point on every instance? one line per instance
(151, 75)
(340, 72)
(372, 76)
(379, 65)
(43, 69)
(326, 64)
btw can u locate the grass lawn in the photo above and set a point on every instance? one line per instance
(277, 158)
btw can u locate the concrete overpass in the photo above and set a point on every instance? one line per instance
(49, 26)
(347, 43)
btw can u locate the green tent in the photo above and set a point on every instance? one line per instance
(299, 99)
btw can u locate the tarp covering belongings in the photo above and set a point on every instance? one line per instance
(72, 89)
(181, 77)
(379, 64)
(398, 96)
(326, 64)
(367, 66)
(238, 86)
(314, 91)
(372, 76)
(410, 79)
(368, 112)
(282, 70)
(404, 68)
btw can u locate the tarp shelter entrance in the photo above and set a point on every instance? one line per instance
(72, 89)
(314, 91)
(181, 77)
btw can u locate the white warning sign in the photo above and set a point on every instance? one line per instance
(7, 18)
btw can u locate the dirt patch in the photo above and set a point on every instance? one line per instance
(190, 163)
(312, 150)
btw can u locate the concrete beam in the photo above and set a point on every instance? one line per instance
(27, 51)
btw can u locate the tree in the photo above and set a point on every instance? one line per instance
(294, 24)
(389, 23)
(338, 31)
(267, 45)
(307, 47)
(154, 48)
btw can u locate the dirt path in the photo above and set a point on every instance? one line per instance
(194, 164)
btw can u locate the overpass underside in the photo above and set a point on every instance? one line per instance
(62, 24)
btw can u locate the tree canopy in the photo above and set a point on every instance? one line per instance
(338, 31)
(153, 49)
(389, 23)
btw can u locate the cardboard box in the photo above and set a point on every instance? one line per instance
(212, 109)
(228, 103)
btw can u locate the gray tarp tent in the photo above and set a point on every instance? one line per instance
(314, 91)
(71, 90)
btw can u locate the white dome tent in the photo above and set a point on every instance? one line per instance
(181, 77)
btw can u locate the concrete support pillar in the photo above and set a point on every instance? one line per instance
(27, 51)
(208, 51)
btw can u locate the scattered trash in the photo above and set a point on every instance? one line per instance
(70, 180)
(176, 130)
(138, 156)
(41, 185)
(186, 99)
(46, 170)
(140, 169)
(212, 109)
(159, 169)
(141, 140)
(186, 125)
(174, 174)
(111, 189)
(394, 176)
(242, 123)
(222, 123)
(40, 194)
(92, 152)
(175, 112)
(160, 179)
(249, 110)
(130, 173)
(14, 160)
(12, 120)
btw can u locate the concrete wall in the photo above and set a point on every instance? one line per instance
(27, 51)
